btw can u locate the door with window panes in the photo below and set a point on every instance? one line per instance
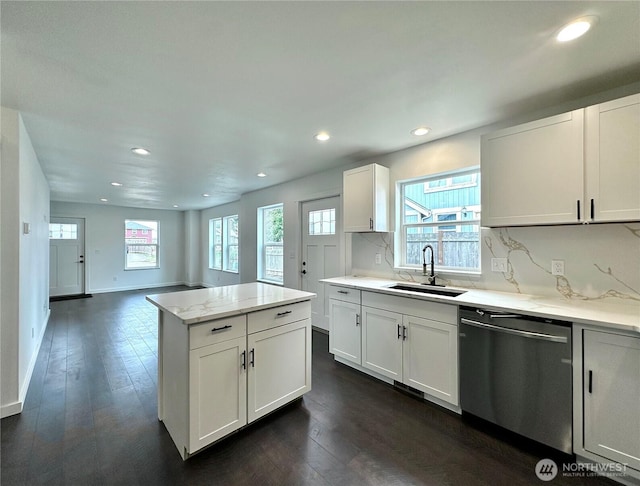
(321, 255)
(66, 256)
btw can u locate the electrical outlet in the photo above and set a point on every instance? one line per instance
(378, 258)
(499, 265)
(557, 267)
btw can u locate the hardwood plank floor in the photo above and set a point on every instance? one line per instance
(90, 418)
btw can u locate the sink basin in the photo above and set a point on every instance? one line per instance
(422, 289)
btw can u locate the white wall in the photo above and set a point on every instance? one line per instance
(601, 261)
(25, 260)
(105, 249)
(193, 238)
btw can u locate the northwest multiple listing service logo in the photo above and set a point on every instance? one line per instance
(546, 469)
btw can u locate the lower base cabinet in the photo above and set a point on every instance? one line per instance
(218, 376)
(611, 396)
(279, 367)
(217, 381)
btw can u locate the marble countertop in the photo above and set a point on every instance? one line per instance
(616, 315)
(199, 305)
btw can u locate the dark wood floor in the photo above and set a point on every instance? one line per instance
(90, 418)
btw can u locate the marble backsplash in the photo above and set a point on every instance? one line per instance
(602, 261)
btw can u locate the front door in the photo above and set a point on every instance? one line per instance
(66, 262)
(321, 231)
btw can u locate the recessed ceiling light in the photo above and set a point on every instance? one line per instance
(322, 136)
(418, 132)
(206, 195)
(140, 151)
(103, 199)
(261, 174)
(116, 184)
(575, 29)
(175, 205)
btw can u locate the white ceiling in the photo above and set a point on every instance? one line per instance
(219, 91)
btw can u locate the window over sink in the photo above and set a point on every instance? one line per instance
(441, 210)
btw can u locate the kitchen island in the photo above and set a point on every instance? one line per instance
(228, 356)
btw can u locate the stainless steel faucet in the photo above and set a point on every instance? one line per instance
(432, 275)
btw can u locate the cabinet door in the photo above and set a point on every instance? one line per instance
(217, 389)
(430, 358)
(612, 396)
(279, 368)
(382, 335)
(358, 199)
(612, 152)
(533, 173)
(344, 330)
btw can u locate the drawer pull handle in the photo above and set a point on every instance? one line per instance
(216, 329)
(282, 314)
(343, 292)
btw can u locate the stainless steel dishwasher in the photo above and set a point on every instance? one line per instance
(515, 371)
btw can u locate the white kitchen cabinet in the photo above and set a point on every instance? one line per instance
(533, 173)
(382, 335)
(215, 377)
(580, 166)
(430, 357)
(279, 367)
(412, 342)
(611, 394)
(366, 199)
(345, 337)
(612, 151)
(217, 384)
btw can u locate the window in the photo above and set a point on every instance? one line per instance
(230, 240)
(141, 248)
(63, 231)
(322, 222)
(442, 211)
(270, 243)
(223, 244)
(215, 244)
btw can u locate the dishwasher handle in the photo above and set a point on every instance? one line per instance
(515, 332)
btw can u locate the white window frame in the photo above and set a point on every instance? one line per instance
(214, 263)
(262, 247)
(226, 246)
(401, 227)
(156, 245)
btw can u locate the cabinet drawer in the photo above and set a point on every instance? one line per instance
(217, 331)
(278, 316)
(344, 294)
(435, 311)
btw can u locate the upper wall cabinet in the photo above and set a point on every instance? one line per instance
(366, 199)
(581, 166)
(533, 173)
(612, 152)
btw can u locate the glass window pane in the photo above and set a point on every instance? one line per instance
(322, 222)
(141, 241)
(63, 231)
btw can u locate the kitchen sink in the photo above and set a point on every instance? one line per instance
(428, 290)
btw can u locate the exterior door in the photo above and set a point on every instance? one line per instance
(66, 262)
(321, 234)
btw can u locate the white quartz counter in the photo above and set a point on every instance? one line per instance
(199, 305)
(609, 314)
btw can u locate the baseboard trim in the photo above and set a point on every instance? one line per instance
(16, 407)
(136, 287)
(11, 409)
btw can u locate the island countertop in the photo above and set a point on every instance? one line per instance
(199, 305)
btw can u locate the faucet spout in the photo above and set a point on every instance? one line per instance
(432, 274)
